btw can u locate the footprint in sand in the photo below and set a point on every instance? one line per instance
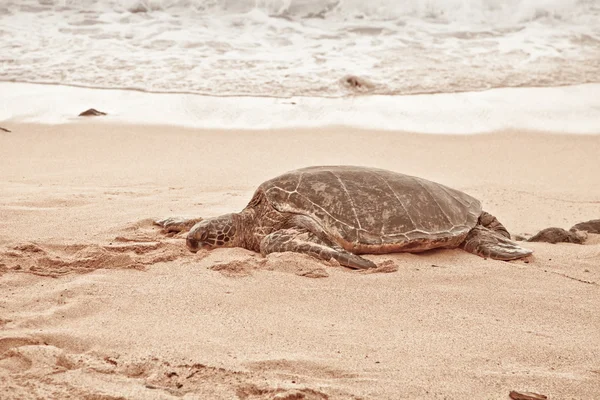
(134, 247)
(69, 368)
(10, 358)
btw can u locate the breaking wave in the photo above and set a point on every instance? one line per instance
(284, 48)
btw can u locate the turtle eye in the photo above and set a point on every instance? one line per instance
(204, 236)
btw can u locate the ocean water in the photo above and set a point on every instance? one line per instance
(286, 48)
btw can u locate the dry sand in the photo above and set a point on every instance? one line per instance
(98, 304)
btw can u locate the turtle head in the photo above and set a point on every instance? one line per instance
(211, 233)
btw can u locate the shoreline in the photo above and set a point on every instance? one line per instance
(565, 109)
(348, 95)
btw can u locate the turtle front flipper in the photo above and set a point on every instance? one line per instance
(177, 224)
(487, 243)
(303, 241)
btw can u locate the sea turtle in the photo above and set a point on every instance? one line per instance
(339, 212)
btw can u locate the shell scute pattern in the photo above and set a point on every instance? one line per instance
(367, 206)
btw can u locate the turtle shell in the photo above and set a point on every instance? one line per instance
(368, 210)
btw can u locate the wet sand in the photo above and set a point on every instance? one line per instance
(100, 304)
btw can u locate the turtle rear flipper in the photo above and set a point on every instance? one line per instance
(487, 243)
(304, 241)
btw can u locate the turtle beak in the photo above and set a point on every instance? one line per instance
(192, 244)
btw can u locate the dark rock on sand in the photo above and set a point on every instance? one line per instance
(92, 112)
(4, 129)
(514, 395)
(357, 83)
(558, 235)
(591, 226)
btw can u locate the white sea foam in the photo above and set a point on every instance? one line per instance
(317, 48)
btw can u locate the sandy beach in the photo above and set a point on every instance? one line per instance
(195, 103)
(98, 303)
